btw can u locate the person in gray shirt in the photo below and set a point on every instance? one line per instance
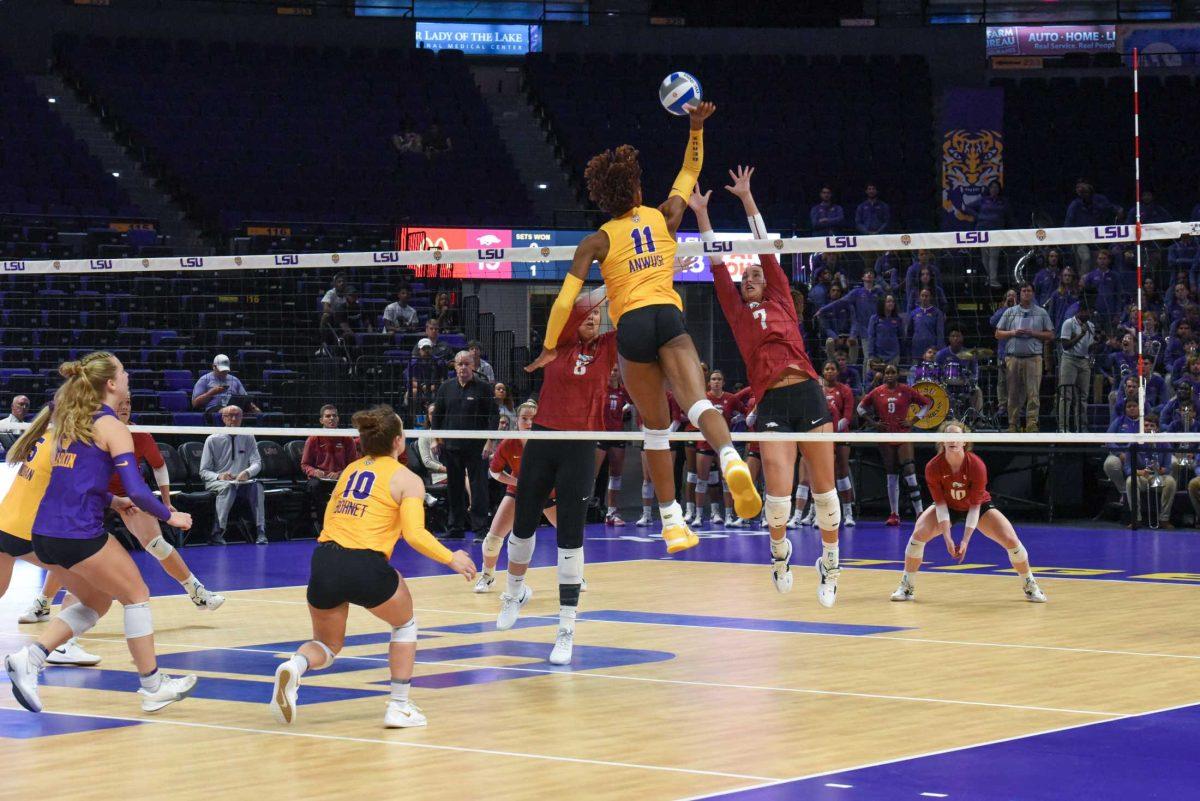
(1075, 369)
(228, 466)
(1024, 329)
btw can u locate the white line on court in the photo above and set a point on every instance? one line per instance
(939, 752)
(401, 744)
(651, 680)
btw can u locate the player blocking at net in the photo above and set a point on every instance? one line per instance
(763, 319)
(376, 501)
(636, 251)
(957, 481)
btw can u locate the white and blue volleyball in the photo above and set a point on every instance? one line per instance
(677, 90)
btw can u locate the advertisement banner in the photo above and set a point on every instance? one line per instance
(1162, 46)
(1050, 40)
(480, 40)
(972, 152)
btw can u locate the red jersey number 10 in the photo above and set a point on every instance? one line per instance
(642, 240)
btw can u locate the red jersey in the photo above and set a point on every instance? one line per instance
(767, 332)
(841, 404)
(507, 459)
(144, 450)
(729, 405)
(575, 384)
(891, 405)
(614, 409)
(959, 490)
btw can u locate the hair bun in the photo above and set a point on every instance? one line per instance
(70, 369)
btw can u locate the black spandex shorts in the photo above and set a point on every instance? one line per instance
(793, 409)
(641, 332)
(605, 444)
(14, 546)
(350, 575)
(958, 517)
(66, 552)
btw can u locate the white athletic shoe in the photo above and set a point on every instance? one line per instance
(510, 608)
(733, 522)
(905, 591)
(695, 521)
(205, 600)
(645, 520)
(810, 517)
(24, 678)
(284, 692)
(38, 612)
(564, 643)
(781, 570)
(794, 520)
(848, 519)
(69, 653)
(1033, 593)
(484, 582)
(404, 715)
(827, 589)
(170, 690)
(613, 520)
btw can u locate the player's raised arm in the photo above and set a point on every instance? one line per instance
(777, 280)
(693, 159)
(594, 247)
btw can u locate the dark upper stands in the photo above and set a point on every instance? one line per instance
(801, 121)
(44, 169)
(272, 132)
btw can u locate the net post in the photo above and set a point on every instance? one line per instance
(1137, 238)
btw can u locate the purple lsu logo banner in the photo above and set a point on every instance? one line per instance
(840, 242)
(1111, 231)
(288, 258)
(971, 237)
(192, 261)
(386, 257)
(100, 264)
(13, 266)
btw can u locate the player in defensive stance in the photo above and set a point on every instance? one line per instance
(636, 251)
(764, 324)
(376, 501)
(957, 481)
(142, 526)
(505, 467)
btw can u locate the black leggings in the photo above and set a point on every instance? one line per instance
(564, 467)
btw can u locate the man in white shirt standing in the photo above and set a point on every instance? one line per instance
(1075, 370)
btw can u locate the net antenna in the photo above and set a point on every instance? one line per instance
(1137, 239)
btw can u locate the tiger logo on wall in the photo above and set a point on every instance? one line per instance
(971, 161)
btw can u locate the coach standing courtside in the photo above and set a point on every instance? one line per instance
(464, 403)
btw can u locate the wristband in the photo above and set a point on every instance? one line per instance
(943, 513)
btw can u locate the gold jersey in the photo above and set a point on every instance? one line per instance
(362, 512)
(639, 269)
(20, 505)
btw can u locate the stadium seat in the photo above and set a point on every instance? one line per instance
(174, 401)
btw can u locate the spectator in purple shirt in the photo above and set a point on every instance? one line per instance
(1178, 303)
(992, 215)
(887, 270)
(1181, 255)
(1151, 212)
(872, 215)
(884, 330)
(1108, 290)
(1046, 280)
(926, 281)
(1065, 295)
(1115, 463)
(1086, 210)
(818, 295)
(926, 325)
(861, 302)
(826, 217)
(848, 374)
(1176, 343)
(836, 324)
(214, 391)
(913, 273)
(1122, 363)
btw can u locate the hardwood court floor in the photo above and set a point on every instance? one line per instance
(690, 678)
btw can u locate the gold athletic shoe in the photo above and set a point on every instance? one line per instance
(679, 538)
(746, 500)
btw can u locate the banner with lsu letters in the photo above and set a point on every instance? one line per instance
(972, 152)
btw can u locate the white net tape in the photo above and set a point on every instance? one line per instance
(1016, 237)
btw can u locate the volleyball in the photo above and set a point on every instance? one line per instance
(678, 90)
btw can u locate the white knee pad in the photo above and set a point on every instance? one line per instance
(407, 632)
(492, 545)
(714, 477)
(1018, 555)
(691, 478)
(138, 621)
(520, 551)
(829, 510)
(656, 439)
(647, 490)
(80, 618)
(614, 483)
(329, 654)
(159, 548)
(776, 509)
(843, 484)
(914, 549)
(699, 408)
(570, 565)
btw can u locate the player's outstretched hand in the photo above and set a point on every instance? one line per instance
(461, 564)
(700, 113)
(699, 202)
(180, 520)
(961, 554)
(544, 358)
(741, 181)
